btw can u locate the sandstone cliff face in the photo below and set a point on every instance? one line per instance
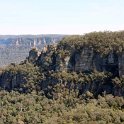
(10, 80)
(46, 60)
(62, 64)
(53, 61)
(84, 60)
(88, 60)
(33, 55)
(74, 58)
(108, 63)
(121, 64)
(19, 77)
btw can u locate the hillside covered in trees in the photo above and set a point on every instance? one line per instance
(78, 81)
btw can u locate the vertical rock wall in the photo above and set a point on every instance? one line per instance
(121, 64)
(84, 60)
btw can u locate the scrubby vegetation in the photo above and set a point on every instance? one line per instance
(35, 93)
(101, 42)
(61, 102)
(16, 108)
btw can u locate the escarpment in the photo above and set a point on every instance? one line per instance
(85, 55)
(90, 63)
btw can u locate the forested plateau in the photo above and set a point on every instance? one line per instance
(79, 80)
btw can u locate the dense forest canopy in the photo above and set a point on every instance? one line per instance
(33, 92)
(102, 42)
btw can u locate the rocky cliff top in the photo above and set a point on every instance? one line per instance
(93, 62)
(101, 42)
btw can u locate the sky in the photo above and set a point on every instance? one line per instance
(60, 16)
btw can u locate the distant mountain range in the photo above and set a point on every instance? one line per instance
(15, 48)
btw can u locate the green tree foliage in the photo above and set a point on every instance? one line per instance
(36, 94)
(36, 108)
(101, 42)
(22, 77)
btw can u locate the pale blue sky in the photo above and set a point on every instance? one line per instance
(60, 16)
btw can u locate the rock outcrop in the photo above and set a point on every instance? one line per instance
(84, 61)
(33, 55)
(121, 64)
(78, 66)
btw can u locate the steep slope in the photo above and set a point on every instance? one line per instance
(90, 63)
